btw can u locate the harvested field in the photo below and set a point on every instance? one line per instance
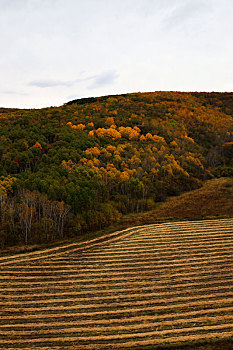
(142, 288)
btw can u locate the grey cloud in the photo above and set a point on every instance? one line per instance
(53, 83)
(50, 83)
(12, 92)
(10, 5)
(106, 78)
(13, 5)
(183, 12)
(73, 97)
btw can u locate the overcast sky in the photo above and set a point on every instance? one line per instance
(53, 51)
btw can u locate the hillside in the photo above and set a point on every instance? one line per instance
(161, 286)
(82, 166)
(213, 200)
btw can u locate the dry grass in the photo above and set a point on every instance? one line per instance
(162, 284)
(213, 200)
(153, 334)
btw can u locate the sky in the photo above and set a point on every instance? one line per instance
(54, 51)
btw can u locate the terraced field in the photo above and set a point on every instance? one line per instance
(159, 284)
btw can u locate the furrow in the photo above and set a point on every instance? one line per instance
(149, 341)
(59, 329)
(114, 283)
(103, 325)
(120, 298)
(108, 307)
(117, 276)
(180, 235)
(92, 289)
(67, 319)
(140, 255)
(160, 334)
(162, 247)
(50, 273)
(130, 262)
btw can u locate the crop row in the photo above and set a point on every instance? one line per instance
(153, 285)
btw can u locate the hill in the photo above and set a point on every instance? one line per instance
(82, 166)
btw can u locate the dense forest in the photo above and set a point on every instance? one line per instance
(79, 167)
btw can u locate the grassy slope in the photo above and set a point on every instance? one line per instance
(213, 200)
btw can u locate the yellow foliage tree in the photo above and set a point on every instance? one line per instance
(83, 161)
(174, 144)
(129, 133)
(124, 176)
(142, 138)
(117, 158)
(67, 165)
(109, 133)
(159, 139)
(137, 129)
(80, 127)
(94, 152)
(96, 162)
(109, 121)
(90, 125)
(149, 137)
(6, 184)
(111, 148)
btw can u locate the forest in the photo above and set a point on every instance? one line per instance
(79, 167)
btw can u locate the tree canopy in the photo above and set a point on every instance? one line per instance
(78, 167)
